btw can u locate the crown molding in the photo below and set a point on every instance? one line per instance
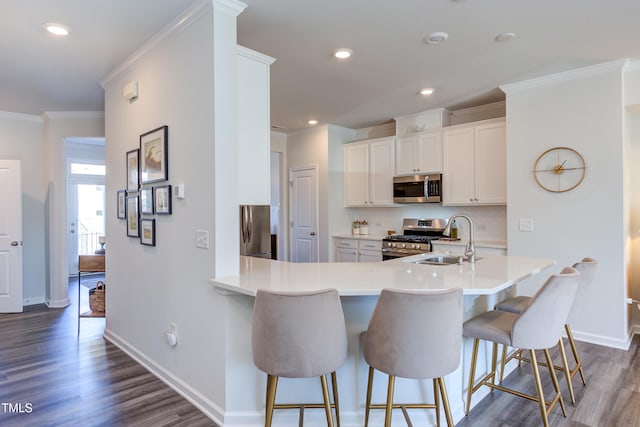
(632, 65)
(233, 7)
(181, 22)
(565, 76)
(32, 118)
(256, 56)
(73, 115)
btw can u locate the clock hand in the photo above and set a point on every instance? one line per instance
(556, 168)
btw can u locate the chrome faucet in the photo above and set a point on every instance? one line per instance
(470, 250)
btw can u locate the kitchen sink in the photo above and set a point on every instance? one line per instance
(439, 260)
(443, 260)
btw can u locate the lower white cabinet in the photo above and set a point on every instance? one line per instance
(357, 250)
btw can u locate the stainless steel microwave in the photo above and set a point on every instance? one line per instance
(425, 188)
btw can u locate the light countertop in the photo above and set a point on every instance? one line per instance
(378, 237)
(489, 275)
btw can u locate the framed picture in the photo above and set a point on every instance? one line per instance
(132, 216)
(146, 201)
(153, 155)
(148, 232)
(162, 198)
(122, 207)
(133, 171)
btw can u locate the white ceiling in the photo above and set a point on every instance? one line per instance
(391, 63)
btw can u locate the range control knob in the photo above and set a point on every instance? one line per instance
(403, 245)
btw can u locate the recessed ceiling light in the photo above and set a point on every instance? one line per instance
(313, 122)
(505, 37)
(427, 91)
(342, 53)
(435, 38)
(57, 29)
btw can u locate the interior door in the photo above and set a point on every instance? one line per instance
(10, 237)
(304, 214)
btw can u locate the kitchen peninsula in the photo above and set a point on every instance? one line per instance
(484, 283)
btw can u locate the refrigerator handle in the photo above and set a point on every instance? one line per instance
(249, 223)
(243, 223)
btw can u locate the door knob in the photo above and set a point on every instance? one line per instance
(313, 233)
(14, 243)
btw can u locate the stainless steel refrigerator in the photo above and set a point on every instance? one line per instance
(255, 231)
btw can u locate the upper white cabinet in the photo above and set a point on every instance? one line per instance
(369, 167)
(253, 126)
(419, 153)
(475, 163)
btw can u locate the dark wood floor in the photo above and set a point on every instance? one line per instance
(85, 381)
(610, 398)
(59, 379)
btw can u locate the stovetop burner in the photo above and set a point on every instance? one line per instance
(419, 230)
(410, 238)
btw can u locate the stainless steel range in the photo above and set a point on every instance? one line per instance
(416, 237)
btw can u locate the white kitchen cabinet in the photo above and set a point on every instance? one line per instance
(254, 128)
(346, 250)
(369, 167)
(419, 153)
(475, 164)
(357, 250)
(369, 250)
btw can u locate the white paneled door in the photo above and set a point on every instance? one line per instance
(10, 237)
(304, 214)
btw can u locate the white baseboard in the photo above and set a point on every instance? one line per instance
(622, 344)
(209, 408)
(62, 303)
(33, 300)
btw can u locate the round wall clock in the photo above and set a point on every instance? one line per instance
(559, 169)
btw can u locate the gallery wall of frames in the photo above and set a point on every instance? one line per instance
(148, 192)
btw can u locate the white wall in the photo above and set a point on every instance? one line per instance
(582, 110)
(57, 127)
(308, 148)
(632, 160)
(322, 146)
(183, 87)
(21, 139)
(279, 145)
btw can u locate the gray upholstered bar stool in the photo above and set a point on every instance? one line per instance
(299, 335)
(414, 334)
(538, 327)
(587, 268)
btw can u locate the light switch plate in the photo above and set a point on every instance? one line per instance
(202, 239)
(526, 224)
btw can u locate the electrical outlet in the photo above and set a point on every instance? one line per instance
(526, 224)
(202, 239)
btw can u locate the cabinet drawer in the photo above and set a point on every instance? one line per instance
(347, 243)
(371, 245)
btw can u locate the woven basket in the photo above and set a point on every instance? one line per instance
(97, 297)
